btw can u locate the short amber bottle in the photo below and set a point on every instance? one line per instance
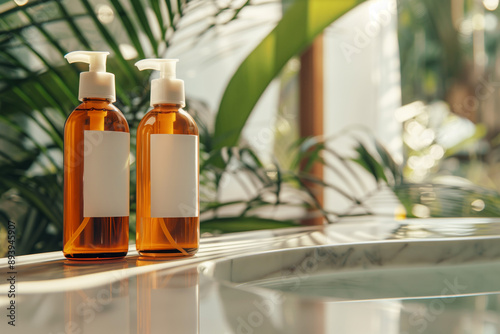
(90, 237)
(165, 236)
(96, 168)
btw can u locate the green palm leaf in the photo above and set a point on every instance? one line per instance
(300, 25)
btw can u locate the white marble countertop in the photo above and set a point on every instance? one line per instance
(134, 295)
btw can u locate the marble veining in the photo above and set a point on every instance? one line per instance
(332, 268)
(363, 275)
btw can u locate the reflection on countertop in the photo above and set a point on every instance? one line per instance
(137, 295)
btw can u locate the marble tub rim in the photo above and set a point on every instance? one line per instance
(208, 266)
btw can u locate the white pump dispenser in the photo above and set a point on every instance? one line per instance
(96, 83)
(167, 89)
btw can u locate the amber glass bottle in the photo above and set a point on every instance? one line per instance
(86, 130)
(167, 211)
(165, 236)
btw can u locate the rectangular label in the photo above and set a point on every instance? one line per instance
(106, 174)
(174, 176)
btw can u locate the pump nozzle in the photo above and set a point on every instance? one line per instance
(96, 59)
(165, 66)
(167, 89)
(96, 83)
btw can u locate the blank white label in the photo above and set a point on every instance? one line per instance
(174, 176)
(106, 174)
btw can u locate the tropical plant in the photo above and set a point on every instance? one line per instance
(423, 200)
(418, 200)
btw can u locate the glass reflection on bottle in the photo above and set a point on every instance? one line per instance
(100, 309)
(167, 302)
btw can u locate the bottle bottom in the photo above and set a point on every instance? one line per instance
(173, 252)
(95, 256)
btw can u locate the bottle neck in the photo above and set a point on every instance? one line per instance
(96, 99)
(167, 107)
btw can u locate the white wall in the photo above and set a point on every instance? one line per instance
(362, 88)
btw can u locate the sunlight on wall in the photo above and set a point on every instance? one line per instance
(362, 86)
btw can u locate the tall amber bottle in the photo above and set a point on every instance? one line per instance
(96, 168)
(167, 214)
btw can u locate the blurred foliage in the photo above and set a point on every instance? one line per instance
(449, 61)
(423, 200)
(431, 54)
(418, 199)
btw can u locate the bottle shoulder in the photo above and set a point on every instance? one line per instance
(113, 118)
(178, 122)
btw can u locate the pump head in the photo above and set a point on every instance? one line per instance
(96, 83)
(167, 89)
